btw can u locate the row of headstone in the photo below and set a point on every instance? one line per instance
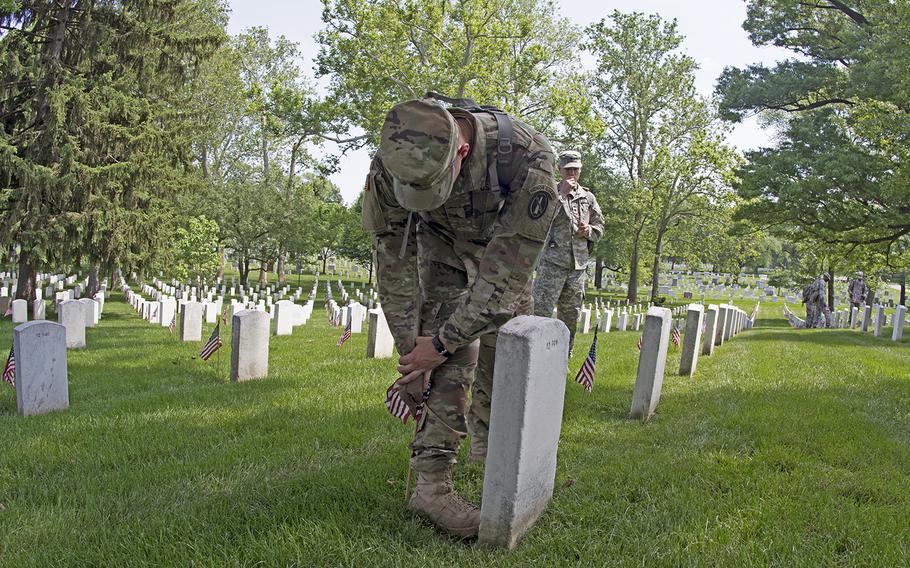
(720, 324)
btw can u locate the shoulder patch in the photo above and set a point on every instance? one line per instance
(538, 204)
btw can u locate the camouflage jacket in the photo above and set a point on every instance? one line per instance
(565, 248)
(816, 292)
(502, 234)
(857, 291)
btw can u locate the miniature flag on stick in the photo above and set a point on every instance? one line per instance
(585, 376)
(173, 325)
(344, 336)
(398, 408)
(8, 312)
(224, 315)
(641, 342)
(9, 370)
(212, 345)
(675, 336)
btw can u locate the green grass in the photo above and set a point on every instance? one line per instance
(787, 448)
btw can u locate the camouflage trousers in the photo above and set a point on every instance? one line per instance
(445, 278)
(562, 288)
(815, 316)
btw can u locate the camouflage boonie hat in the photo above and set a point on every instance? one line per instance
(570, 159)
(418, 144)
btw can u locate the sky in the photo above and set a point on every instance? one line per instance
(712, 28)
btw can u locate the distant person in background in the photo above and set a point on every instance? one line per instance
(579, 223)
(815, 298)
(857, 291)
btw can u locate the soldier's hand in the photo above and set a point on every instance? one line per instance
(582, 230)
(412, 391)
(422, 359)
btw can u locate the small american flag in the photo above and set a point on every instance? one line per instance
(641, 342)
(397, 406)
(8, 312)
(213, 344)
(224, 315)
(173, 325)
(9, 370)
(344, 336)
(585, 376)
(675, 336)
(704, 325)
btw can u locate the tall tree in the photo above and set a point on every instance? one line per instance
(510, 53)
(641, 91)
(92, 145)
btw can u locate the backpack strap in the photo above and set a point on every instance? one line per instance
(501, 161)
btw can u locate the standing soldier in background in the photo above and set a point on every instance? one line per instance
(560, 280)
(857, 291)
(460, 201)
(815, 298)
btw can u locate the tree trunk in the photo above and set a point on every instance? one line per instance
(263, 273)
(222, 262)
(655, 269)
(324, 259)
(93, 285)
(244, 268)
(903, 288)
(281, 270)
(25, 289)
(598, 273)
(265, 152)
(831, 287)
(370, 282)
(632, 292)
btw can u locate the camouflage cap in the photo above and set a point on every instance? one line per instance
(417, 145)
(570, 159)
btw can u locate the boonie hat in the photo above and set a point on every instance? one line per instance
(418, 144)
(570, 159)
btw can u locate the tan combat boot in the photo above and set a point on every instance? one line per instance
(434, 497)
(478, 451)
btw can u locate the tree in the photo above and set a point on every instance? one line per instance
(92, 141)
(511, 53)
(649, 126)
(196, 250)
(355, 243)
(841, 171)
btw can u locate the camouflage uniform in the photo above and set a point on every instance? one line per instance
(814, 296)
(857, 291)
(560, 280)
(462, 269)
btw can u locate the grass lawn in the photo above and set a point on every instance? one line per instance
(788, 447)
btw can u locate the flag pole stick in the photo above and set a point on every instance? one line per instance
(407, 483)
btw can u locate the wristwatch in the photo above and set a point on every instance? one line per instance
(440, 348)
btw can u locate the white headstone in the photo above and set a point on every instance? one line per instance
(380, 343)
(167, 310)
(691, 343)
(357, 313)
(879, 320)
(606, 321)
(898, 323)
(283, 323)
(249, 345)
(41, 379)
(652, 361)
(867, 318)
(71, 315)
(38, 310)
(520, 468)
(89, 306)
(191, 322)
(20, 311)
(711, 319)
